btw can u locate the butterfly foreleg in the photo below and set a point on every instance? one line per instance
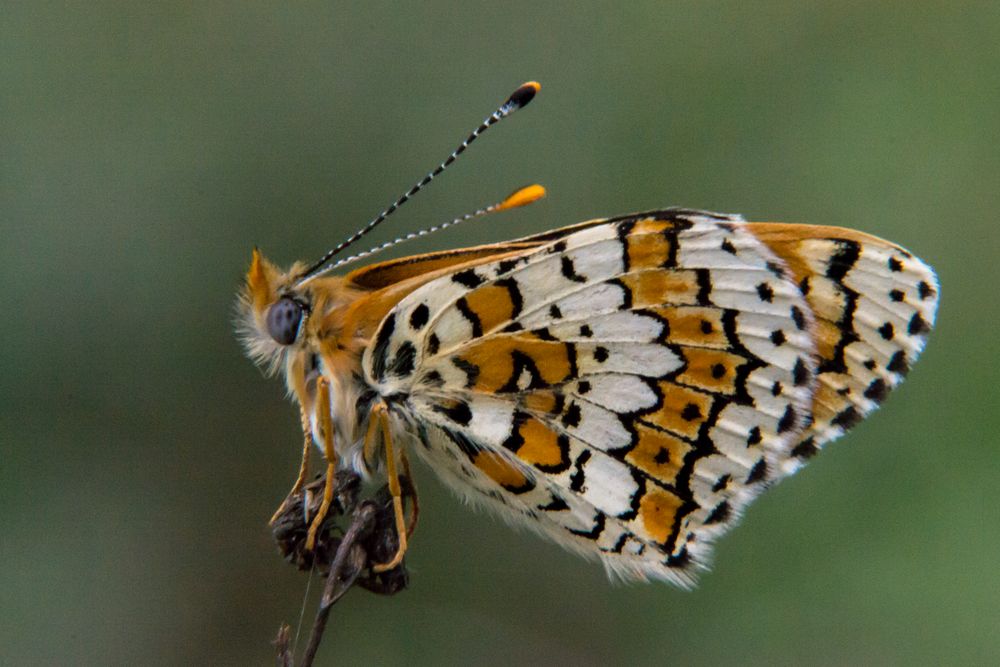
(379, 421)
(307, 444)
(329, 452)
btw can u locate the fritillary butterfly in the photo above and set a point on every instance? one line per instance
(625, 386)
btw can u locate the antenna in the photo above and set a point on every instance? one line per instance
(523, 197)
(519, 98)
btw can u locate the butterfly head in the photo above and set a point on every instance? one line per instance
(272, 313)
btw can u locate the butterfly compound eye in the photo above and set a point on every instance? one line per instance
(283, 320)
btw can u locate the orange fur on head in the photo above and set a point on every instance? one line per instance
(260, 282)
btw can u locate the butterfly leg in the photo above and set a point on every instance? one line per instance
(326, 429)
(379, 414)
(412, 494)
(307, 444)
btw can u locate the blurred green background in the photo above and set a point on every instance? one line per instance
(145, 150)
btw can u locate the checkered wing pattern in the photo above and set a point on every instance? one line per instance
(631, 384)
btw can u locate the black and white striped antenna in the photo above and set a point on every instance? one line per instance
(522, 197)
(519, 98)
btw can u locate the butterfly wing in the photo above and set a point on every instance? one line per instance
(874, 304)
(625, 389)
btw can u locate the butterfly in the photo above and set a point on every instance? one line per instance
(625, 386)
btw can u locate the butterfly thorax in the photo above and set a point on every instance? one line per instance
(321, 328)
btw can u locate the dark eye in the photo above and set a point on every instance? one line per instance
(283, 320)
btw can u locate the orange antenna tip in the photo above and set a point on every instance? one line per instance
(523, 197)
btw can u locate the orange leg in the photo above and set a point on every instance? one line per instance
(414, 503)
(379, 413)
(326, 429)
(307, 444)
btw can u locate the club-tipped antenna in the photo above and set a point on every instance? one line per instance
(522, 197)
(519, 98)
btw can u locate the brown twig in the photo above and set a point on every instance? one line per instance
(345, 556)
(339, 582)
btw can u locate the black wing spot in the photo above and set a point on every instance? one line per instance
(691, 412)
(406, 355)
(380, 351)
(470, 369)
(471, 316)
(897, 295)
(720, 514)
(577, 479)
(847, 418)
(728, 247)
(925, 290)
(718, 371)
(681, 560)
(569, 270)
(468, 278)
(433, 344)
(805, 449)
(877, 390)
(886, 331)
(585, 331)
(506, 266)
(433, 379)
(557, 505)
(758, 473)
(776, 388)
(704, 279)
(898, 364)
(895, 265)
(457, 412)
(800, 374)
(571, 418)
(600, 354)
(765, 292)
(721, 483)
(843, 260)
(706, 327)
(798, 318)
(554, 312)
(787, 421)
(918, 325)
(754, 437)
(778, 337)
(419, 316)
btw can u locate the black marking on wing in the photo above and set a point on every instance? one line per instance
(402, 365)
(470, 315)
(419, 317)
(470, 369)
(843, 260)
(380, 351)
(595, 533)
(457, 411)
(468, 278)
(569, 270)
(516, 299)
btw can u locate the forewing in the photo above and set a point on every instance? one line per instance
(627, 388)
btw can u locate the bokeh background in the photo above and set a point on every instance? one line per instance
(144, 150)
